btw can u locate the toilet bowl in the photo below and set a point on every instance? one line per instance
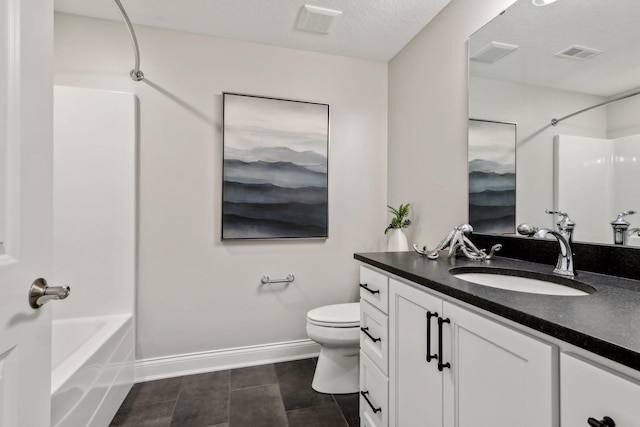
(337, 329)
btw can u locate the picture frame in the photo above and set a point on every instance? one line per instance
(275, 168)
(492, 176)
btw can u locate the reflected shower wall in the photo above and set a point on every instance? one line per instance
(598, 178)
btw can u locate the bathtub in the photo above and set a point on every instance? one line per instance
(92, 369)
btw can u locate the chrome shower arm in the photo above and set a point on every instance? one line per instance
(554, 122)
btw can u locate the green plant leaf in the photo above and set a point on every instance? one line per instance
(399, 219)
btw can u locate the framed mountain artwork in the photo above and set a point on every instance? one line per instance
(275, 164)
(492, 176)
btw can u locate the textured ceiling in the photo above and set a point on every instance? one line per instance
(369, 29)
(612, 26)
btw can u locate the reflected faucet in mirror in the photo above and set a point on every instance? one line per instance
(564, 236)
(621, 231)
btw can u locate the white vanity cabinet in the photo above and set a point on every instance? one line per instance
(374, 347)
(480, 373)
(588, 391)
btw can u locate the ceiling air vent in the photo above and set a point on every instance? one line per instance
(579, 53)
(493, 51)
(318, 19)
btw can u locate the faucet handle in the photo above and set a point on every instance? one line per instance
(620, 219)
(564, 223)
(620, 223)
(563, 215)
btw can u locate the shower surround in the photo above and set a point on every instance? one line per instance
(94, 252)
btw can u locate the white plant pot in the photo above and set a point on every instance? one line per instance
(397, 241)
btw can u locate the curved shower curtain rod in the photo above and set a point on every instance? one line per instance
(135, 74)
(554, 122)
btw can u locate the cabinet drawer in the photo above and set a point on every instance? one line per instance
(589, 391)
(374, 394)
(374, 288)
(374, 338)
(368, 421)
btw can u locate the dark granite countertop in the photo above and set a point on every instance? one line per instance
(606, 322)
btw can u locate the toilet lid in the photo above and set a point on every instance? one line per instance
(336, 315)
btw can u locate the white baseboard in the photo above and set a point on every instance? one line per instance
(217, 360)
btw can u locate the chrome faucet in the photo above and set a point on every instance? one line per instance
(621, 229)
(564, 236)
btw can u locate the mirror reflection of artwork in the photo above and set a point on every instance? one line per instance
(492, 176)
(275, 181)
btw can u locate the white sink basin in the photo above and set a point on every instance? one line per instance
(524, 284)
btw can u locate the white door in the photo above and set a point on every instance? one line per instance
(26, 87)
(415, 384)
(590, 391)
(499, 377)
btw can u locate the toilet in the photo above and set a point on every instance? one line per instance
(337, 329)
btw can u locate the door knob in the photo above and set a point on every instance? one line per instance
(40, 293)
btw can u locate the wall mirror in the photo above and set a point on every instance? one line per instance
(532, 64)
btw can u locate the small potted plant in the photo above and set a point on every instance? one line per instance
(397, 239)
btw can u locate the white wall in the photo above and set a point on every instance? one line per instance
(195, 292)
(94, 201)
(427, 163)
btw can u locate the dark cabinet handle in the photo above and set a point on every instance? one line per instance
(373, 408)
(441, 365)
(364, 286)
(369, 335)
(605, 422)
(430, 356)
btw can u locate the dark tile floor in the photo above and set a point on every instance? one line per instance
(278, 394)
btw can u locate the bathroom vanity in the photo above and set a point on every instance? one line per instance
(437, 350)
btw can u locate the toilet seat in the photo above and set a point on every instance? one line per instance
(336, 315)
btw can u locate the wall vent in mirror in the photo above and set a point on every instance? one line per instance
(579, 53)
(493, 52)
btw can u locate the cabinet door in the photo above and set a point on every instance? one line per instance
(415, 385)
(499, 377)
(588, 391)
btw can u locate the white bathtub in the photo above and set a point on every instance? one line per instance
(92, 369)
